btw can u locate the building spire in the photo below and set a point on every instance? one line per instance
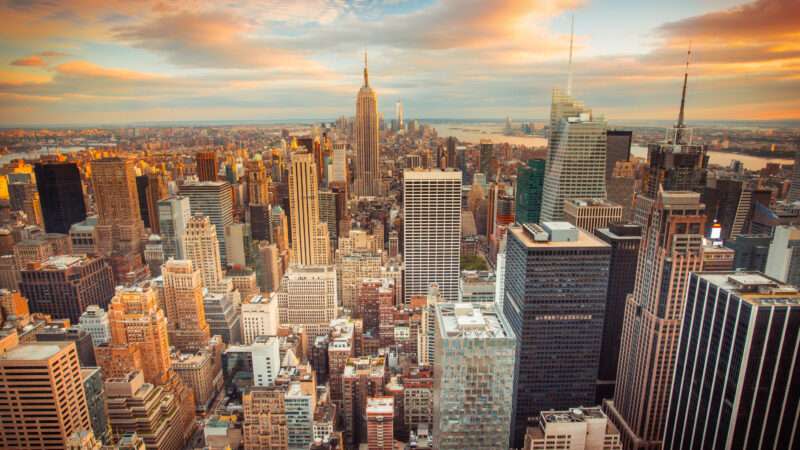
(366, 75)
(569, 69)
(679, 127)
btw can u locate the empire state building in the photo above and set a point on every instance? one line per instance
(367, 182)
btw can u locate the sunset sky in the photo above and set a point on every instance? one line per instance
(116, 61)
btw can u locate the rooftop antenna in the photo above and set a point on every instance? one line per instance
(366, 76)
(571, 39)
(680, 126)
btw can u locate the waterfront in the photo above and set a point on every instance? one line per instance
(474, 132)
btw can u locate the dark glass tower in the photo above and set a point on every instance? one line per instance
(60, 195)
(618, 148)
(555, 284)
(737, 377)
(624, 240)
(530, 180)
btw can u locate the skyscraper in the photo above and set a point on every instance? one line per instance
(431, 231)
(672, 243)
(367, 175)
(487, 159)
(206, 166)
(794, 190)
(183, 302)
(150, 189)
(258, 183)
(120, 230)
(673, 220)
(556, 280)
(591, 213)
(576, 156)
(42, 401)
(215, 200)
(736, 376)
(380, 420)
(200, 246)
(398, 114)
(64, 286)
(618, 148)
(783, 262)
(173, 215)
(528, 191)
(61, 195)
(307, 298)
(624, 240)
(24, 197)
(304, 208)
(139, 325)
(473, 381)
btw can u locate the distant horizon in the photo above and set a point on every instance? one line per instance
(432, 120)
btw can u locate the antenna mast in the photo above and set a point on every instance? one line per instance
(571, 39)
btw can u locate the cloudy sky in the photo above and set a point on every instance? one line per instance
(118, 61)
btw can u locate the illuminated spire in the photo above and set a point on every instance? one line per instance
(679, 127)
(571, 38)
(366, 75)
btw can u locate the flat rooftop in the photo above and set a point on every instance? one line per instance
(380, 405)
(470, 321)
(35, 351)
(584, 239)
(431, 174)
(754, 288)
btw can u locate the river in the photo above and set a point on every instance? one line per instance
(474, 132)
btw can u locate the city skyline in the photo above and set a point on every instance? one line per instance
(110, 63)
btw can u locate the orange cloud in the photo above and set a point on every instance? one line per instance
(90, 70)
(29, 61)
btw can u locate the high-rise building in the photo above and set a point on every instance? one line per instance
(304, 208)
(137, 323)
(618, 148)
(574, 429)
(258, 183)
(223, 316)
(488, 163)
(556, 280)
(265, 426)
(794, 189)
(576, 156)
(94, 391)
(672, 241)
(673, 221)
(82, 340)
(94, 321)
(751, 251)
(473, 378)
(200, 246)
(736, 376)
(150, 189)
(431, 231)
(624, 239)
(351, 269)
(206, 166)
(621, 185)
(183, 302)
(259, 318)
(338, 171)
(398, 114)
(528, 191)
(215, 200)
(269, 268)
(152, 412)
(61, 195)
(327, 212)
(23, 196)
(591, 213)
(783, 263)
(173, 214)
(307, 298)
(64, 286)
(120, 229)
(362, 378)
(367, 180)
(42, 401)
(380, 421)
